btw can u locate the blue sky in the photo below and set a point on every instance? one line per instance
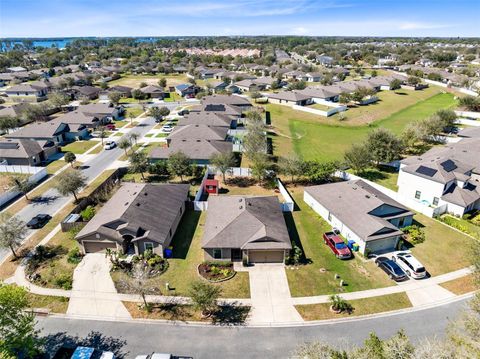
(63, 18)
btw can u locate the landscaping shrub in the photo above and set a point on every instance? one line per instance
(216, 270)
(295, 257)
(88, 213)
(64, 281)
(74, 256)
(416, 234)
(340, 305)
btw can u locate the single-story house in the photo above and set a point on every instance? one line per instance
(17, 111)
(87, 120)
(103, 111)
(217, 86)
(124, 91)
(209, 119)
(199, 132)
(90, 92)
(199, 151)
(322, 93)
(324, 60)
(153, 91)
(313, 76)
(23, 152)
(232, 100)
(221, 109)
(137, 218)
(185, 90)
(53, 131)
(27, 92)
(361, 213)
(239, 227)
(294, 75)
(289, 98)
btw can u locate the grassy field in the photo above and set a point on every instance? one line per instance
(134, 81)
(313, 138)
(317, 277)
(384, 303)
(79, 147)
(133, 111)
(461, 285)
(444, 250)
(187, 255)
(54, 304)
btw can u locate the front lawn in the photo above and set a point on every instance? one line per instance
(187, 255)
(384, 303)
(461, 285)
(444, 250)
(54, 166)
(79, 147)
(53, 304)
(120, 124)
(133, 112)
(462, 225)
(317, 276)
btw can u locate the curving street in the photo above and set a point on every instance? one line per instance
(128, 339)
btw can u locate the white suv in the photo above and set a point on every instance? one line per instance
(410, 265)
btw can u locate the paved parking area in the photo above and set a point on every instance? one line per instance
(270, 295)
(93, 292)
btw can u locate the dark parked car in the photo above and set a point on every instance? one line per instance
(38, 221)
(337, 245)
(391, 268)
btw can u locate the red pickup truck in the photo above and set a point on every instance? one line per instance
(337, 245)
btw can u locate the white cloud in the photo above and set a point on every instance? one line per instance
(300, 30)
(421, 26)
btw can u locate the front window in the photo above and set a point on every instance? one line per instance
(148, 245)
(418, 194)
(217, 253)
(435, 201)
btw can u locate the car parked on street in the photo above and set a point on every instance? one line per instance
(109, 145)
(38, 221)
(391, 268)
(167, 128)
(410, 265)
(337, 245)
(110, 126)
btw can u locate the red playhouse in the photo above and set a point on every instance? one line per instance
(211, 186)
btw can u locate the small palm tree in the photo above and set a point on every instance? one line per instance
(124, 144)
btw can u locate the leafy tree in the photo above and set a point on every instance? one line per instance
(70, 158)
(164, 111)
(23, 186)
(255, 96)
(124, 144)
(162, 82)
(104, 85)
(179, 164)
(320, 172)
(384, 145)
(260, 165)
(411, 136)
(395, 84)
(204, 296)
(143, 84)
(70, 182)
(137, 94)
(18, 337)
(102, 133)
(470, 103)
(115, 97)
(139, 163)
(134, 136)
(292, 166)
(223, 162)
(317, 350)
(344, 98)
(12, 232)
(435, 76)
(448, 118)
(155, 113)
(358, 157)
(413, 80)
(58, 99)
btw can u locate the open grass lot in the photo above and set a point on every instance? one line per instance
(461, 285)
(120, 124)
(444, 250)
(313, 137)
(133, 112)
(384, 177)
(308, 280)
(79, 147)
(134, 81)
(187, 255)
(384, 303)
(54, 304)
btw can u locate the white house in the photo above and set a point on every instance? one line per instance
(445, 179)
(361, 213)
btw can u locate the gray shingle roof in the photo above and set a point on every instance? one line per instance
(199, 132)
(354, 203)
(206, 118)
(194, 149)
(19, 148)
(246, 223)
(146, 209)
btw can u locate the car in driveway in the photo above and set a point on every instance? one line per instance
(109, 145)
(110, 126)
(38, 221)
(337, 245)
(410, 265)
(167, 129)
(391, 268)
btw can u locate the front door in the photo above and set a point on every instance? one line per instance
(236, 254)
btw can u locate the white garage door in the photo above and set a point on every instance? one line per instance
(265, 256)
(94, 247)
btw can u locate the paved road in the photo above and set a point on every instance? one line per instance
(128, 339)
(51, 201)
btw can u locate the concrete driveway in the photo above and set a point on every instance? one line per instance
(93, 292)
(270, 295)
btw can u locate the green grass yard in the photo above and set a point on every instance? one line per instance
(383, 177)
(79, 147)
(315, 137)
(384, 303)
(317, 277)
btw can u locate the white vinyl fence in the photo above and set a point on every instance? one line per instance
(36, 174)
(288, 204)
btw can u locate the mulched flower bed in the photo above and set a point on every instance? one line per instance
(216, 271)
